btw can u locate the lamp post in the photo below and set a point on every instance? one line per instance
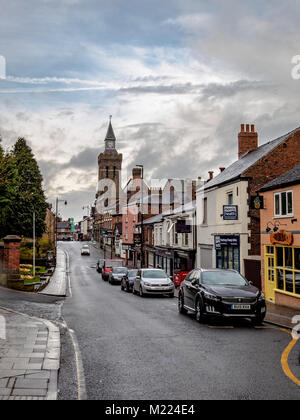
(142, 216)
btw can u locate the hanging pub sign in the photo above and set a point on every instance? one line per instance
(230, 212)
(257, 202)
(137, 238)
(182, 227)
(282, 238)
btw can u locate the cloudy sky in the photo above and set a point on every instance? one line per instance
(178, 76)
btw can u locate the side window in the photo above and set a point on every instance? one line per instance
(189, 277)
(196, 276)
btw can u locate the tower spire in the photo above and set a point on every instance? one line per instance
(110, 139)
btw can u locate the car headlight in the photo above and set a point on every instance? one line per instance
(147, 284)
(261, 296)
(211, 297)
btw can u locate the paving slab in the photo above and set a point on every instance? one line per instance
(29, 358)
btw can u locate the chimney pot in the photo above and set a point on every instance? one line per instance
(222, 169)
(211, 174)
(247, 128)
(243, 128)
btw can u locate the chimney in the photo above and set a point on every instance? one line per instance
(211, 175)
(222, 169)
(137, 173)
(248, 139)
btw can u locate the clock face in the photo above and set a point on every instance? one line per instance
(110, 144)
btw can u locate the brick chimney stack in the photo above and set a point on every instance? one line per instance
(211, 175)
(137, 173)
(222, 169)
(248, 139)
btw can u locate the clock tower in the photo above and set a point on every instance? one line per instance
(110, 162)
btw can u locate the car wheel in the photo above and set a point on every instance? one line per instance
(141, 292)
(199, 314)
(181, 307)
(258, 320)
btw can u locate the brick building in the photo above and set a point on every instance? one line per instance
(228, 225)
(280, 240)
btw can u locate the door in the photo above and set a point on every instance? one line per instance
(270, 283)
(253, 272)
(194, 288)
(190, 290)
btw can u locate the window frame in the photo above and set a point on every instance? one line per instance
(280, 194)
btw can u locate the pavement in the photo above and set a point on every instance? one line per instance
(58, 283)
(29, 357)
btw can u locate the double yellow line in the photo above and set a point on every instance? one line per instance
(285, 359)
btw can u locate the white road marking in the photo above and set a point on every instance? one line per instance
(2, 328)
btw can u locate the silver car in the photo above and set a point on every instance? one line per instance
(152, 281)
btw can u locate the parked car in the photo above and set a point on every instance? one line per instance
(179, 276)
(128, 280)
(85, 250)
(153, 281)
(108, 265)
(221, 293)
(116, 274)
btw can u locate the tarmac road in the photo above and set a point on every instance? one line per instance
(141, 348)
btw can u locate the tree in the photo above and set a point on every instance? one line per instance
(8, 189)
(30, 196)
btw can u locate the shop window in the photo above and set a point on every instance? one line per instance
(280, 257)
(283, 204)
(288, 269)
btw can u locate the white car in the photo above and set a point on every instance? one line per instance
(152, 281)
(85, 250)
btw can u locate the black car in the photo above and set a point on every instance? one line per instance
(221, 293)
(128, 280)
(116, 274)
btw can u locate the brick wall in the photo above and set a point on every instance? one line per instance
(283, 158)
(11, 254)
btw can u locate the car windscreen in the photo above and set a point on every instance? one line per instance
(120, 270)
(223, 278)
(154, 274)
(85, 247)
(111, 264)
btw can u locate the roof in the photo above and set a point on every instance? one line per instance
(159, 217)
(110, 135)
(289, 178)
(235, 170)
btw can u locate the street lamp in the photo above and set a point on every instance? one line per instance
(142, 216)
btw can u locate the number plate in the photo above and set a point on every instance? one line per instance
(240, 307)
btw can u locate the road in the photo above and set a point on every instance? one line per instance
(141, 348)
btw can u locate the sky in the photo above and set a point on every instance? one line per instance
(178, 77)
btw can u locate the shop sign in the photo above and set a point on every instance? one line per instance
(230, 213)
(226, 240)
(183, 227)
(282, 238)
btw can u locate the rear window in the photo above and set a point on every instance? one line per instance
(120, 270)
(111, 264)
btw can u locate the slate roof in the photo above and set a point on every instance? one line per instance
(291, 177)
(235, 170)
(110, 135)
